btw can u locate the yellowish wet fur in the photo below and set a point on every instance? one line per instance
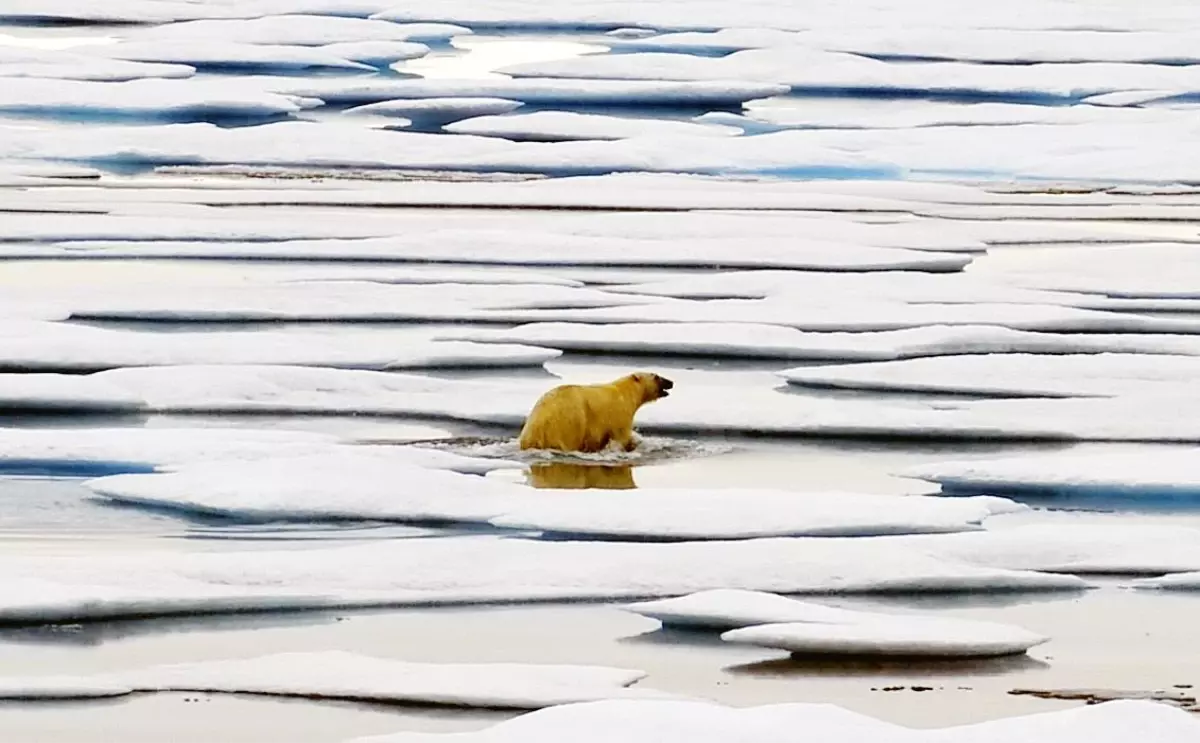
(588, 418)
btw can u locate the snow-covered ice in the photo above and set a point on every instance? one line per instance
(438, 111)
(563, 126)
(465, 570)
(69, 65)
(397, 486)
(686, 514)
(301, 30)
(224, 55)
(929, 638)
(376, 53)
(811, 628)
(155, 99)
(747, 340)
(544, 92)
(107, 450)
(1137, 473)
(42, 346)
(690, 722)
(1012, 375)
(1080, 548)
(350, 676)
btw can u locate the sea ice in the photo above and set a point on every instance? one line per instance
(431, 112)
(770, 620)
(895, 636)
(1136, 473)
(221, 55)
(1011, 375)
(64, 392)
(66, 65)
(456, 570)
(86, 11)
(543, 92)
(705, 722)
(154, 99)
(301, 30)
(690, 514)
(747, 340)
(349, 676)
(376, 53)
(563, 126)
(1080, 549)
(92, 451)
(38, 346)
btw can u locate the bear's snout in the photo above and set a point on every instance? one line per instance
(664, 385)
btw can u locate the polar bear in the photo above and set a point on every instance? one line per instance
(590, 418)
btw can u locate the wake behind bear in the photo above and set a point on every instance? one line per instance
(591, 418)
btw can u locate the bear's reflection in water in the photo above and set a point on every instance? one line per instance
(571, 476)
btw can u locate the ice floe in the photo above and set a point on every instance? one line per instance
(67, 65)
(895, 636)
(438, 111)
(84, 11)
(563, 126)
(740, 514)
(224, 55)
(1012, 375)
(301, 30)
(544, 92)
(38, 346)
(393, 485)
(770, 620)
(688, 721)
(186, 100)
(376, 53)
(464, 570)
(1154, 271)
(349, 676)
(747, 340)
(1139, 473)
(94, 451)
(51, 392)
(1081, 549)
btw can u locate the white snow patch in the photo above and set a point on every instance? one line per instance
(301, 30)
(746, 340)
(36, 346)
(376, 53)
(153, 98)
(438, 111)
(562, 126)
(220, 53)
(894, 636)
(683, 721)
(65, 65)
(349, 676)
(1012, 375)
(42, 588)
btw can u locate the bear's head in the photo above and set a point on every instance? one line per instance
(653, 386)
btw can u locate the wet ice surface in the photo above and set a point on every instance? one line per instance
(276, 293)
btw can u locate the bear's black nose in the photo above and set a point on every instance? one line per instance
(665, 383)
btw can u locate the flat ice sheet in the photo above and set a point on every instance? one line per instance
(38, 346)
(688, 514)
(682, 721)
(1081, 548)
(1140, 472)
(458, 570)
(747, 340)
(99, 450)
(1156, 271)
(301, 30)
(563, 126)
(395, 487)
(770, 620)
(924, 638)
(438, 110)
(353, 677)
(622, 93)
(170, 99)
(1011, 375)
(67, 65)
(229, 55)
